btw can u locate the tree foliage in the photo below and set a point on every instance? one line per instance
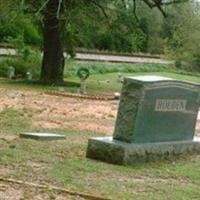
(181, 31)
(120, 25)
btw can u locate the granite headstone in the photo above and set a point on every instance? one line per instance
(156, 117)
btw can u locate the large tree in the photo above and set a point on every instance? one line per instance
(56, 15)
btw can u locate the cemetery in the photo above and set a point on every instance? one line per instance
(99, 100)
(70, 163)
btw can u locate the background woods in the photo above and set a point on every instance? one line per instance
(117, 26)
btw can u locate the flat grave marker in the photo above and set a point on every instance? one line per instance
(42, 136)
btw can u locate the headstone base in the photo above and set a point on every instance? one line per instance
(113, 151)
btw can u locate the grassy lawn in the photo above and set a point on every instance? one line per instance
(108, 82)
(63, 163)
(103, 76)
(96, 83)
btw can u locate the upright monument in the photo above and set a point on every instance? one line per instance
(156, 119)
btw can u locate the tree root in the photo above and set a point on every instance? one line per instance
(71, 95)
(50, 187)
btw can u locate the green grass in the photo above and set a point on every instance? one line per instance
(96, 83)
(22, 84)
(103, 77)
(63, 163)
(10, 119)
(105, 67)
(107, 83)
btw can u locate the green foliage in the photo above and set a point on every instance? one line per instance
(87, 27)
(103, 68)
(196, 61)
(182, 34)
(17, 28)
(29, 63)
(119, 32)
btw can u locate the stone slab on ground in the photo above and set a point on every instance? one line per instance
(114, 151)
(42, 136)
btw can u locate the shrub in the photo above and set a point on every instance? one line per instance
(102, 68)
(196, 62)
(21, 67)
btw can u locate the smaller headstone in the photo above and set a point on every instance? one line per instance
(120, 78)
(42, 136)
(11, 72)
(28, 76)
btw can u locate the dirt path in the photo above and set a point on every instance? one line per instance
(60, 112)
(18, 192)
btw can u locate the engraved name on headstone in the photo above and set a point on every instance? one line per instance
(167, 105)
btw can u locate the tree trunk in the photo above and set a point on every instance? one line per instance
(53, 58)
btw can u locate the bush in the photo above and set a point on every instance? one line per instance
(102, 68)
(21, 67)
(188, 62)
(196, 62)
(20, 27)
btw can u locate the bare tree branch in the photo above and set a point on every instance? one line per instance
(172, 2)
(100, 7)
(134, 10)
(158, 3)
(42, 7)
(149, 3)
(59, 7)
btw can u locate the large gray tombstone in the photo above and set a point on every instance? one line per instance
(156, 119)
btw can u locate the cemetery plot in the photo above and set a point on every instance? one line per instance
(156, 119)
(63, 163)
(55, 112)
